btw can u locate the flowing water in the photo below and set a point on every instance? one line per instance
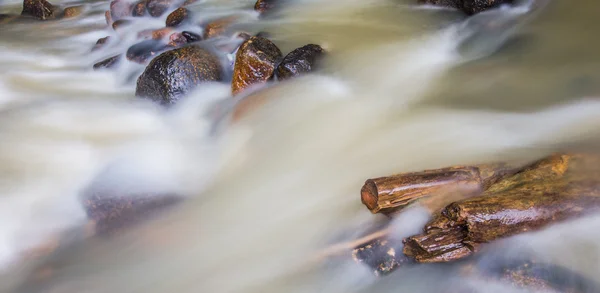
(403, 88)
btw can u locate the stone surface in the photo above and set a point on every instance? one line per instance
(139, 8)
(145, 50)
(40, 9)
(191, 37)
(177, 17)
(120, 9)
(72, 11)
(177, 40)
(100, 43)
(256, 60)
(119, 24)
(174, 73)
(263, 6)
(217, 27)
(108, 63)
(156, 8)
(299, 61)
(476, 6)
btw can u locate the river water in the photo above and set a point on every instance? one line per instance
(404, 88)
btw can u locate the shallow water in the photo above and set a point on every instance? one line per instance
(404, 88)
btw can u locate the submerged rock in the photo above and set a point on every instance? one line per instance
(120, 9)
(476, 6)
(177, 40)
(139, 8)
(108, 17)
(174, 73)
(177, 17)
(299, 61)
(40, 9)
(263, 6)
(217, 27)
(156, 8)
(6, 18)
(468, 6)
(108, 63)
(144, 50)
(119, 24)
(100, 43)
(72, 11)
(256, 60)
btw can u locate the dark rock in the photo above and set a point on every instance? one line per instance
(263, 6)
(120, 9)
(263, 34)
(40, 9)
(177, 17)
(177, 40)
(156, 8)
(217, 27)
(119, 24)
(191, 37)
(256, 60)
(299, 61)
(108, 63)
(6, 18)
(144, 50)
(72, 11)
(468, 6)
(174, 73)
(139, 8)
(113, 214)
(476, 6)
(100, 43)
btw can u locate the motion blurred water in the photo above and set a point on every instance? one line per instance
(404, 88)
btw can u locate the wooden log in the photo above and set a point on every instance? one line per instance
(390, 194)
(543, 193)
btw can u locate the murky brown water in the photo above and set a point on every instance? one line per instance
(269, 193)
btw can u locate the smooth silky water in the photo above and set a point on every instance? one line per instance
(404, 88)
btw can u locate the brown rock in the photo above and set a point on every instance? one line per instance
(144, 50)
(156, 8)
(40, 9)
(263, 6)
(119, 24)
(100, 43)
(139, 8)
(177, 17)
(108, 17)
(256, 60)
(108, 63)
(120, 9)
(299, 61)
(191, 37)
(177, 40)
(174, 73)
(73, 11)
(217, 27)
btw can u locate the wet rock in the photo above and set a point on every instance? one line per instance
(119, 24)
(174, 73)
(156, 8)
(177, 40)
(100, 43)
(139, 8)
(40, 9)
(108, 17)
(6, 18)
(108, 63)
(144, 50)
(458, 4)
(114, 214)
(263, 6)
(120, 9)
(191, 37)
(217, 27)
(476, 6)
(299, 61)
(73, 11)
(155, 34)
(177, 17)
(256, 60)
